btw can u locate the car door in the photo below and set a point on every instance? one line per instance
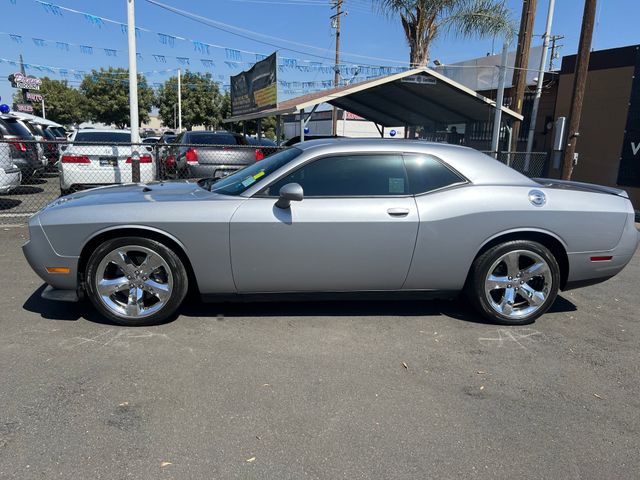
(355, 229)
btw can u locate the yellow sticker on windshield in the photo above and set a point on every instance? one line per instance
(258, 175)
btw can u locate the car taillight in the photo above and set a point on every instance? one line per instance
(143, 159)
(259, 155)
(191, 155)
(21, 147)
(170, 161)
(75, 159)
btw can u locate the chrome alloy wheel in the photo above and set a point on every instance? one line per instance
(133, 281)
(518, 283)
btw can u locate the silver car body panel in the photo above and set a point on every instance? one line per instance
(244, 244)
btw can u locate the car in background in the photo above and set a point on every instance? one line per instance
(98, 157)
(24, 149)
(10, 175)
(39, 137)
(212, 154)
(151, 140)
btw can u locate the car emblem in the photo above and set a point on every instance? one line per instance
(537, 198)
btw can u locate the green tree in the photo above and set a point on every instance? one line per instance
(202, 103)
(63, 104)
(107, 96)
(424, 20)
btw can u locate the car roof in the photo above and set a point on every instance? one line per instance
(478, 167)
(103, 130)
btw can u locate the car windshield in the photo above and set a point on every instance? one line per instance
(241, 180)
(104, 137)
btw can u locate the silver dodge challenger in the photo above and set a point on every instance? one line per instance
(335, 217)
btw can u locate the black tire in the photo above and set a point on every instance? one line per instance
(475, 288)
(177, 270)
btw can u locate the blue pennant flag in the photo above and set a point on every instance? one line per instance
(50, 8)
(39, 42)
(16, 38)
(167, 39)
(207, 63)
(62, 46)
(233, 54)
(160, 58)
(201, 47)
(139, 56)
(183, 60)
(94, 20)
(110, 52)
(86, 49)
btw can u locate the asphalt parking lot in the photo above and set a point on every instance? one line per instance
(33, 194)
(327, 390)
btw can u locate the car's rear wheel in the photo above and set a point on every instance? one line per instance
(514, 283)
(136, 281)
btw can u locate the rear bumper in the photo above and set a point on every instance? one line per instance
(584, 271)
(9, 179)
(212, 170)
(71, 175)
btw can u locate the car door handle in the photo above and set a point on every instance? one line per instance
(398, 212)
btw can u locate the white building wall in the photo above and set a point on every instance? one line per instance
(345, 128)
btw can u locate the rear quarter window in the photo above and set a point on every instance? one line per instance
(427, 173)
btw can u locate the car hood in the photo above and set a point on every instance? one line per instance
(137, 193)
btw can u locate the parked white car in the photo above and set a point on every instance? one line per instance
(102, 157)
(10, 176)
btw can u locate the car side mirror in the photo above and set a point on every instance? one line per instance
(291, 192)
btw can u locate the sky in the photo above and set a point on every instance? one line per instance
(298, 29)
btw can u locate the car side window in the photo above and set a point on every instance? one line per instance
(348, 176)
(426, 173)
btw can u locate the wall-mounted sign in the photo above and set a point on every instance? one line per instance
(23, 107)
(32, 97)
(422, 79)
(19, 80)
(255, 89)
(629, 171)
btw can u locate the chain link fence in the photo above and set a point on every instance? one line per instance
(32, 174)
(534, 164)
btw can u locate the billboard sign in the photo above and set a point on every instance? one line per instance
(255, 89)
(19, 80)
(629, 170)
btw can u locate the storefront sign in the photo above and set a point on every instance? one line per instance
(629, 171)
(23, 107)
(255, 89)
(32, 97)
(19, 80)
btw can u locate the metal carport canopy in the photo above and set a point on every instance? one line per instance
(414, 97)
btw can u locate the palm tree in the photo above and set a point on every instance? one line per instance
(424, 20)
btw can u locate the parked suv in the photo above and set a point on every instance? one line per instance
(211, 154)
(10, 176)
(24, 148)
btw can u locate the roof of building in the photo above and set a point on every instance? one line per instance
(414, 97)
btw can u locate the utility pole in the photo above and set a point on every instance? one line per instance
(521, 63)
(497, 119)
(179, 101)
(579, 83)
(554, 49)
(536, 100)
(133, 91)
(335, 23)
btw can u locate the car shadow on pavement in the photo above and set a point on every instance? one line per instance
(458, 309)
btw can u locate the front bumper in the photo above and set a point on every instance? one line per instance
(41, 255)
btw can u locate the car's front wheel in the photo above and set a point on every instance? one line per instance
(135, 281)
(514, 283)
